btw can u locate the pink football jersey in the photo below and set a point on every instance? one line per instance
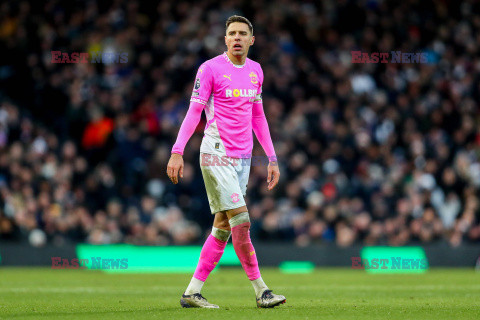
(228, 92)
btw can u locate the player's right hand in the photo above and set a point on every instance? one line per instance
(175, 167)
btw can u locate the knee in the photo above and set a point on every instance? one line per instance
(222, 224)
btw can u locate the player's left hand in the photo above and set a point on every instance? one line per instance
(273, 174)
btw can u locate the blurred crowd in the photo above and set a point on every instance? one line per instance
(369, 153)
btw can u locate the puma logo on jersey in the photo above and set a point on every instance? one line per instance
(246, 93)
(228, 77)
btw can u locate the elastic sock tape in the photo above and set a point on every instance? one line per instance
(239, 219)
(221, 234)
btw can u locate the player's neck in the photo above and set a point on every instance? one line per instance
(237, 60)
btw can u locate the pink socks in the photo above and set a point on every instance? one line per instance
(210, 255)
(243, 246)
(213, 249)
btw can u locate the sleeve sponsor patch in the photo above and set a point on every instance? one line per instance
(197, 84)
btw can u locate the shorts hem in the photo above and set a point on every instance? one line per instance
(234, 207)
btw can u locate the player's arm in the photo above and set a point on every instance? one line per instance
(190, 123)
(262, 132)
(200, 95)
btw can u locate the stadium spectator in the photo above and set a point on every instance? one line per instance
(370, 153)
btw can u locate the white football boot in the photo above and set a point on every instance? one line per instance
(270, 300)
(196, 300)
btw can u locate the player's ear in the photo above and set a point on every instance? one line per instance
(225, 40)
(253, 40)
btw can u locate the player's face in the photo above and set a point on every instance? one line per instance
(238, 39)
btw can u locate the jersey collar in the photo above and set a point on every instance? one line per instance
(233, 64)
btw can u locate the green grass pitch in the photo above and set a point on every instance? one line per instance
(33, 293)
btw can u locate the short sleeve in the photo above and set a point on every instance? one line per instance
(203, 85)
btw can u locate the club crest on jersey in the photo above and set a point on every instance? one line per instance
(244, 93)
(197, 84)
(253, 77)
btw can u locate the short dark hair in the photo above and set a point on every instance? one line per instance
(241, 19)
